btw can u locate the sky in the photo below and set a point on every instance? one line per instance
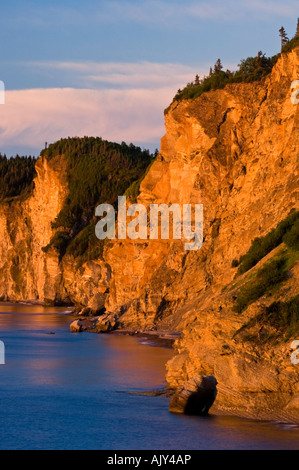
(110, 68)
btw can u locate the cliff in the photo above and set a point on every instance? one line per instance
(29, 273)
(235, 151)
(26, 273)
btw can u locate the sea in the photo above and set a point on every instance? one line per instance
(83, 391)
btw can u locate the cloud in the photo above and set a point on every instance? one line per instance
(144, 74)
(31, 117)
(119, 102)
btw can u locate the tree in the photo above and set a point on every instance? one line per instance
(218, 66)
(297, 32)
(283, 36)
(197, 81)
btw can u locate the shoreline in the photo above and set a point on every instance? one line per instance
(157, 338)
(38, 303)
(166, 339)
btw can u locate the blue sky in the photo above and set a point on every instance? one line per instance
(109, 68)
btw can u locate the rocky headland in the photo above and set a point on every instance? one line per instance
(234, 150)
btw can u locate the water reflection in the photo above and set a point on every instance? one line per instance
(32, 317)
(42, 351)
(68, 385)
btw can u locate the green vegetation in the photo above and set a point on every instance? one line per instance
(286, 44)
(284, 316)
(85, 246)
(291, 238)
(16, 176)
(133, 191)
(283, 36)
(267, 278)
(281, 316)
(286, 231)
(98, 172)
(250, 70)
(289, 46)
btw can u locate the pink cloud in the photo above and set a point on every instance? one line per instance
(31, 117)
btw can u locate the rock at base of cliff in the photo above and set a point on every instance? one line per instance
(102, 324)
(195, 397)
(83, 324)
(105, 323)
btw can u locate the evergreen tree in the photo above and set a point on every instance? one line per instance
(283, 36)
(218, 66)
(297, 32)
(16, 175)
(197, 81)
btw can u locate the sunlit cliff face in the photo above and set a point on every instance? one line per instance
(236, 152)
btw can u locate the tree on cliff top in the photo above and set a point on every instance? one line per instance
(283, 36)
(218, 66)
(250, 70)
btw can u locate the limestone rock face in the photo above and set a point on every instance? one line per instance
(26, 272)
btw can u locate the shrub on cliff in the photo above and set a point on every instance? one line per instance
(286, 231)
(291, 238)
(267, 278)
(289, 46)
(85, 246)
(284, 316)
(281, 316)
(250, 70)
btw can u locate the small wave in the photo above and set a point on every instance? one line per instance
(288, 426)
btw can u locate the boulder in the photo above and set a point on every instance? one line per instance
(195, 397)
(105, 323)
(83, 324)
(102, 324)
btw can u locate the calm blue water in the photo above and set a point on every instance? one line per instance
(71, 391)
